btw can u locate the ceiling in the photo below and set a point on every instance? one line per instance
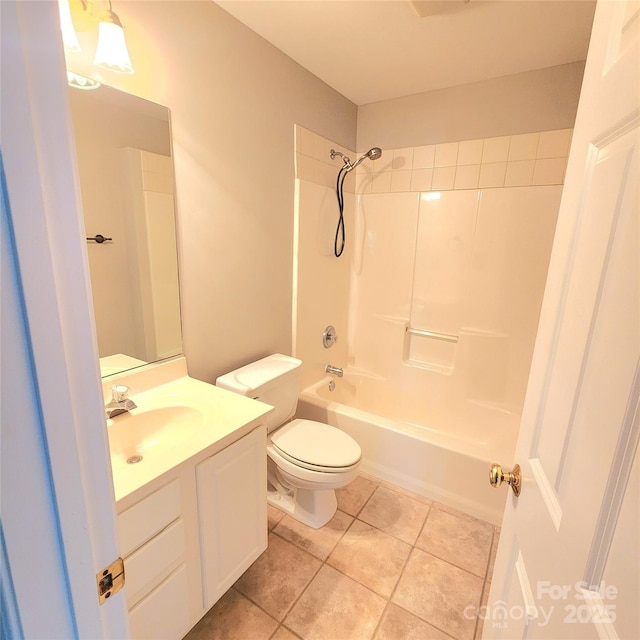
(372, 50)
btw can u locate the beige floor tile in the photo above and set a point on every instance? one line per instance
(457, 538)
(395, 513)
(234, 618)
(354, 496)
(443, 595)
(274, 516)
(406, 492)
(335, 607)
(318, 542)
(398, 624)
(370, 556)
(276, 579)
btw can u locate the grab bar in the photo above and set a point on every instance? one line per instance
(447, 337)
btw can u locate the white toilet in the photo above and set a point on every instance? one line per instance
(307, 460)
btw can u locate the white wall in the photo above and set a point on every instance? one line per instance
(539, 100)
(321, 281)
(234, 100)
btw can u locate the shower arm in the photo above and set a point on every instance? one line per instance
(333, 153)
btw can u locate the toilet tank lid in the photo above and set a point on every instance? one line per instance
(248, 379)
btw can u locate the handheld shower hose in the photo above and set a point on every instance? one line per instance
(372, 154)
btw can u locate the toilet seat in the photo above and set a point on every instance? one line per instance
(316, 446)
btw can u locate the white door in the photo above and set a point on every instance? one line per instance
(57, 518)
(568, 558)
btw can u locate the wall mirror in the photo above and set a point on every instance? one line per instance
(126, 178)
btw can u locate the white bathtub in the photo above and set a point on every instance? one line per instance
(444, 455)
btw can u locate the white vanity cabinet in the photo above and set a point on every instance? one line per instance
(192, 512)
(232, 509)
(191, 534)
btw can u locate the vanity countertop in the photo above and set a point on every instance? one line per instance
(176, 418)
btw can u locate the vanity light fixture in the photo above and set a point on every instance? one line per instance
(111, 51)
(82, 15)
(77, 81)
(69, 35)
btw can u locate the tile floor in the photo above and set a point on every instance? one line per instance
(390, 565)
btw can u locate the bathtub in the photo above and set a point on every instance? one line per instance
(444, 454)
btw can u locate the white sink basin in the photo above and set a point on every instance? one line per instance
(176, 418)
(136, 435)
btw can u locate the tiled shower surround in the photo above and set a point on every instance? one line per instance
(452, 239)
(530, 159)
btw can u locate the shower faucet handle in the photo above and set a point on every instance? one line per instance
(329, 337)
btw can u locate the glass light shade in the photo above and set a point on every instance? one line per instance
(111, 51)
(69, 36)
(77, 81)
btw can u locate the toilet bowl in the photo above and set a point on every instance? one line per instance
(306, 460)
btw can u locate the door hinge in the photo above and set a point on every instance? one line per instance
(110, 580)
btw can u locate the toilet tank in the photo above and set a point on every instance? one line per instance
(274, 380)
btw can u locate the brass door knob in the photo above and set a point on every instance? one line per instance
(514, 477)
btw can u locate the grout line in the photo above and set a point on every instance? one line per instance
(314, 156)
(384, 613)
(286, 613)
(255, 604)
(313, 577)
(282, 626)
(457, 566)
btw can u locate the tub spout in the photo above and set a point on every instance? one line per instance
(334, 371)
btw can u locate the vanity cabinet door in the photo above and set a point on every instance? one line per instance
(232, 503)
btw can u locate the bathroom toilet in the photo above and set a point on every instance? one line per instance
(306, 460)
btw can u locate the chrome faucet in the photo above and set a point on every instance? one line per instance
(119, 401)
(334, 371)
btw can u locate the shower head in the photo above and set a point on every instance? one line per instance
(373, 154)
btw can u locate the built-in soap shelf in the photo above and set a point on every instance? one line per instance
(437, 351)
(432, 350)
